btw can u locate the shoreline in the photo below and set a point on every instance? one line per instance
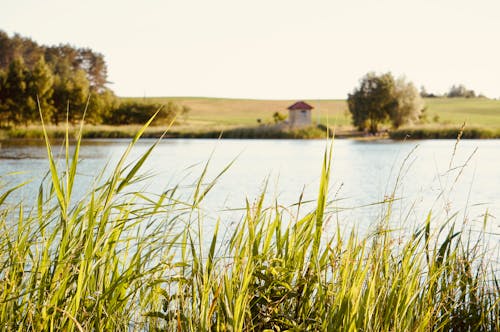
(249, 132)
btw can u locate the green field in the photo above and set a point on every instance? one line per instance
(477, 112)
(224, 111)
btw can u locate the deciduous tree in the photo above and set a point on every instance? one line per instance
(409, 104)
(372, 102)
(460, 91)
(13, 101)
(40, 84)
(381, 98)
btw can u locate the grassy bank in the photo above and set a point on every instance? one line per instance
(122, 259)
(180, 131)
(250, 132)
(260, 132)
(444, 132)
(89, 131)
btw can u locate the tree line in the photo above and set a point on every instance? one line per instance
(455, 91)
(63, 81)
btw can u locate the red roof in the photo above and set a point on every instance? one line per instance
(300, 105)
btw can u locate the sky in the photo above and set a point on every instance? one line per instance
(272, 49)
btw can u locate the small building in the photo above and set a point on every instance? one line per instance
(299, 114)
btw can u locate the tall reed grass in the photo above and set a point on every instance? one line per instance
(129, 131)
(444, 132)
(120, 259)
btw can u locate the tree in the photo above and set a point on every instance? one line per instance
(278, 117)
(131, 112)
(460, 91)
(100, 106)
(94, 65)
(14, 97)
(64, 78)
(40, 84)
(381, 98)
(5, 46)
(425, 94)
(71, 90)
(373, 102)
(409, 104)
(66, 75)
(173, 111)
(3, 97)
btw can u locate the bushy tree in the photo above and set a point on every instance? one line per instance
(409, 104)
(71, 91)
(94, 65)
(132, 112)
(101, 105)
(372, 102)
(3, 114)
(175, 110)
(14, 101)
(381, 98)
(41, 85)
(18, 47)
(279, 117)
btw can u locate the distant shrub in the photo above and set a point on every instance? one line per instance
(279, 117)
(132, 112)
(460, 90)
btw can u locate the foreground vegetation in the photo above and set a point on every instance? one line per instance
(122, 259)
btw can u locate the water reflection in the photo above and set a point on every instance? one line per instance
(363, 173)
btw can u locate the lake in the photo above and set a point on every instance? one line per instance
(432, 175)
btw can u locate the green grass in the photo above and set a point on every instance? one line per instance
(180, 131)
(444, 132)
(244, 112)
(121, 259)
(476, 112)
(481, 116)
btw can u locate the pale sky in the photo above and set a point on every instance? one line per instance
(272, 49)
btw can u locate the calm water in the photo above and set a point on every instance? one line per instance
(363, 173)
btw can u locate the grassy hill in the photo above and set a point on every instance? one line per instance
(223, 111)
(477, 112)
